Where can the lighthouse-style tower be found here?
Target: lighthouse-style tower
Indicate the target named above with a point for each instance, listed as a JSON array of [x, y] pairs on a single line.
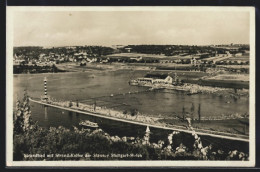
[[147, 136], [45, 89]]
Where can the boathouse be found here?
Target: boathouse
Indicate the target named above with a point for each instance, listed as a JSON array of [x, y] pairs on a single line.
[[160, 78]]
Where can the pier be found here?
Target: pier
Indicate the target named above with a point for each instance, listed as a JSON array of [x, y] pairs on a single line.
[[202, 132]]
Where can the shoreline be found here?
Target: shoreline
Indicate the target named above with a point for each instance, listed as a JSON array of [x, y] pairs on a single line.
[[198, 89], [204, 80]]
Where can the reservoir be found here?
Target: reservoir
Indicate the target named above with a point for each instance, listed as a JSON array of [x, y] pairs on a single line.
[[111, 89]]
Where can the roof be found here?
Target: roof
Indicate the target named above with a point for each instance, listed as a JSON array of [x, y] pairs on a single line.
[[156, 76]]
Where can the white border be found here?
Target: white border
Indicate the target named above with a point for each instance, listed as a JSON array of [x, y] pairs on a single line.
[[155, 163]]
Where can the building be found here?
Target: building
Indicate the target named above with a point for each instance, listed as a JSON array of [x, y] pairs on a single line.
[[238, 54], [83, 62], [161, 78], [193, 61], [128, 50], [19, 62], [118, 46]]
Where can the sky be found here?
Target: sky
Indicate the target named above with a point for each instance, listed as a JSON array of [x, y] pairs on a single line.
[[71, 28]]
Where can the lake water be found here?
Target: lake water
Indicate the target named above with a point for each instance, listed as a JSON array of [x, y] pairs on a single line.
[[98, 86]]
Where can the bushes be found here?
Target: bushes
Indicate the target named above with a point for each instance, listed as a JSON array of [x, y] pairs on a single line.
[[133, 112], [63, 141]]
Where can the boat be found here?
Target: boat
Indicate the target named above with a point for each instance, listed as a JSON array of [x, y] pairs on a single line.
[[87, 123], [133, 82]]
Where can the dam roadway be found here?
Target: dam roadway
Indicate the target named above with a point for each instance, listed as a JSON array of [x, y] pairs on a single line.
[[202, 132]]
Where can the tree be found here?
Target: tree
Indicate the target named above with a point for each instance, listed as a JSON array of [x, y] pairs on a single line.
[[22, 116]]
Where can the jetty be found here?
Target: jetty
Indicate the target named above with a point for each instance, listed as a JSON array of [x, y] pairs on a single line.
[[202, 132]]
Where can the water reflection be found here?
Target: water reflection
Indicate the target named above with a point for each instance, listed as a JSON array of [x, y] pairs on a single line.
[[70, 115], [45, 113], [77, 115]]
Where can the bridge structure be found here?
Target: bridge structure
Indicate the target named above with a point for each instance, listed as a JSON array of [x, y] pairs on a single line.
[[201, 132]]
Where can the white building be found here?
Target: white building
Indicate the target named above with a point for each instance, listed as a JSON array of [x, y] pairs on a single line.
[[157, 79]]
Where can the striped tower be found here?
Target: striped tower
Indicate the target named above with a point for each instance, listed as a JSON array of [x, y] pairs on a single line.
[[45, 89], [147, 135]]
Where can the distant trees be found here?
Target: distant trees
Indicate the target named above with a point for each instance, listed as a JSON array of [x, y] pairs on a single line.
[[171, 50], [99, 50], [35, 69], [204, 56], [131, 60], [31, 52], [34, 52]]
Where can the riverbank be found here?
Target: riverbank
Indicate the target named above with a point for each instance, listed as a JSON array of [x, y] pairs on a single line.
[[203, 79], [195, 89], [74, 67]]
